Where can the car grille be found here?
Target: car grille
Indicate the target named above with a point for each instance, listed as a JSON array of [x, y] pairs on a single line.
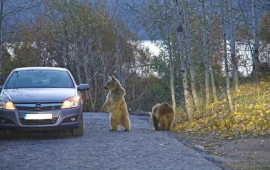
[[38, 106], [37, 122]]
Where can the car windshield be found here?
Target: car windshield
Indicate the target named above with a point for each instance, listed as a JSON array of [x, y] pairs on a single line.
[[39, 79]]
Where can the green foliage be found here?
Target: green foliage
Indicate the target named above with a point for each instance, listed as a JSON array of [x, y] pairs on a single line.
[[160, 65]]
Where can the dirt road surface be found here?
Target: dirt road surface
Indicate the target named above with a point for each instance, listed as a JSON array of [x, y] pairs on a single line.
[[141, 148]]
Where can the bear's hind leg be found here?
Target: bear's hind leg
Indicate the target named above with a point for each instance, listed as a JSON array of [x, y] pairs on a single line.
[[170, 123], [155, 121], [114, 124], [163, 123], [126, 123]]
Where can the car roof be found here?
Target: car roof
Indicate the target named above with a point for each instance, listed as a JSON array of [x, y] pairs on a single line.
[[41, 68]]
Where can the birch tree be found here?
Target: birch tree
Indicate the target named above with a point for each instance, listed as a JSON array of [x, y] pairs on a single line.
[[255, 49], [212, 75], [189, 53], [228, 90], [1, 37], [168, 31], [78, 63], [205, 56], [171, 68], [180, 38], [232, 46], [118, 63]]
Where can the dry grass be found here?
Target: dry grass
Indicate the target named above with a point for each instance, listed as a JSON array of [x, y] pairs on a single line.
[[250, 118]]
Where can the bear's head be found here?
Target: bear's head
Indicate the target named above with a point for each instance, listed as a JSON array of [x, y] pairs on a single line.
[[112, 84]]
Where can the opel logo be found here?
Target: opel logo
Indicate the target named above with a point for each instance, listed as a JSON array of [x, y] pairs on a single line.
[[38, 106]]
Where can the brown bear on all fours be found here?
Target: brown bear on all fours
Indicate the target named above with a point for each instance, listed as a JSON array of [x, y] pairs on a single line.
[[162, 116], [116, 105]]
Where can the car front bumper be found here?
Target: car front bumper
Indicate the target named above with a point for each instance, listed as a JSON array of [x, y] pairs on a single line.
[[61, 119]]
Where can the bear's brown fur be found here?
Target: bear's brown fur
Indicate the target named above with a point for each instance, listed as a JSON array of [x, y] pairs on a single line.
[[162, 116], [116, 105]]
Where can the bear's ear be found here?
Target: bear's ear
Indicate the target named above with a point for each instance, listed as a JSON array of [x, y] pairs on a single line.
[[113, 77], [110, 77]]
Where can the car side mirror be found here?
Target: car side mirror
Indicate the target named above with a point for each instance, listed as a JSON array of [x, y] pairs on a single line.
[[83, 87]]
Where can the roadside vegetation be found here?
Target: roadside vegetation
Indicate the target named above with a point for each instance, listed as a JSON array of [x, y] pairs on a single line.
[[250, 118]]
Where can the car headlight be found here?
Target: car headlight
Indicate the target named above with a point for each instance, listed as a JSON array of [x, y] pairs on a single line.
[[6, 104], [71, 103]]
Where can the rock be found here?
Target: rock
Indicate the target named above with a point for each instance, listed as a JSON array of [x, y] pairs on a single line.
[[200, 147]]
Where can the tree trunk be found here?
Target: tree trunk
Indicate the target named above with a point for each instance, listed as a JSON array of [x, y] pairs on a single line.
[[104, 66], [78, 72], [118, 70], [232, 46], [190, 57], [255, 51], [180, 38], [212, 74], [133, 97], [228, 91], [103, 61], [92, 75], [205, 56], [171, 69], [88, 93], [94, 101], [87, 50], [1, 40]]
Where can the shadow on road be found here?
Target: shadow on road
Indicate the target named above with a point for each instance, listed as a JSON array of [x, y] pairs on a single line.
[[36, 135]]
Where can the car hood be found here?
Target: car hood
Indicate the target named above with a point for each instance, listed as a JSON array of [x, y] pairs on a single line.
[[28, 95]]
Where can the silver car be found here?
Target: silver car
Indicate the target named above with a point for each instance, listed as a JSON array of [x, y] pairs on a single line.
[[41, 98]]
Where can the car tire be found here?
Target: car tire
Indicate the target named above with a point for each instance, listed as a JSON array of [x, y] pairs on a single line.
[[3, 134], [78, 131]]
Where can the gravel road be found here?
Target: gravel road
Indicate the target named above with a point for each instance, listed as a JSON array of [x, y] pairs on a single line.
[[141, 148]]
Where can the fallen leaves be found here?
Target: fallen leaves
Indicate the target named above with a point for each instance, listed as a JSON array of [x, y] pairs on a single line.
[[252, 117]]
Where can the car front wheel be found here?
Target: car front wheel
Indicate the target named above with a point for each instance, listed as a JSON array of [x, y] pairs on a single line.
[[78, 131]]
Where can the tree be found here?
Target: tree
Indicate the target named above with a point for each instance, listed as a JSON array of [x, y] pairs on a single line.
[[205, 55], [228, 90], [232, 45], [211, 56], [180, 37], [72, 34], [264, 30], [157, 20], [1, 37], [10, 8], [170, 62], [189, 53], [255, 49]]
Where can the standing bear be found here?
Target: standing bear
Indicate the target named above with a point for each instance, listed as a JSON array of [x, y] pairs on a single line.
[[162, 116], [116, 105]]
